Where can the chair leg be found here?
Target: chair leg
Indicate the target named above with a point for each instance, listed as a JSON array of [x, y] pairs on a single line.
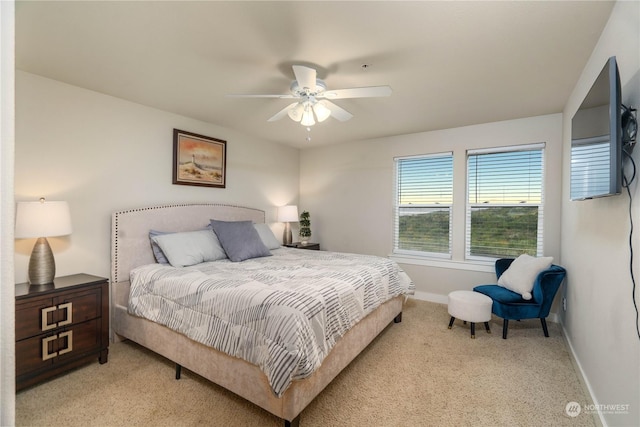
[[505, 327], [486, 325], [473, 330], [544, 326], [451, 322]]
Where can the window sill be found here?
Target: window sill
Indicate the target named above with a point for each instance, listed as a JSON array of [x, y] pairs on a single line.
[[484, 266]]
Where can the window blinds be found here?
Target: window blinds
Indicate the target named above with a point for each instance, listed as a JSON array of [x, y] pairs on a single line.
[[504, 202], [424, 196]]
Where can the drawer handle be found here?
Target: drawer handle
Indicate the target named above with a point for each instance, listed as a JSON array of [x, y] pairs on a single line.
[[45, 348], [45, 345], [68, 308], [69, 336], [46, 325]]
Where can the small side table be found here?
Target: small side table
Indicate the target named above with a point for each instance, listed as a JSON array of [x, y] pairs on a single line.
[[60, 326], [309, 246]]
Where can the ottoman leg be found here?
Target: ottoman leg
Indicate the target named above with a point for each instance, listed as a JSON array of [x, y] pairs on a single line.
[[451, 322], [486, 325], [473, 330]]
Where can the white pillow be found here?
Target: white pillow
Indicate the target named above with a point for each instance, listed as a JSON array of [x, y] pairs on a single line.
[[190, 247], [266, 235], [522, 273]]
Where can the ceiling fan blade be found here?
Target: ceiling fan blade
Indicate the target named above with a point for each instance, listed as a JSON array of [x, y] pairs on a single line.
[[358, 92], [280, 114], [305, 76], [285, 96], [338, 113]]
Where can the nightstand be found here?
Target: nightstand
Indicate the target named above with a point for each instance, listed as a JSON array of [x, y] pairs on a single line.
[[60, 326], [310, 246]]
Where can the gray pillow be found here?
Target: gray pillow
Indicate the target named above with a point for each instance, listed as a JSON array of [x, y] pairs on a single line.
[[266, 235], [189, 247], [239, 239], [157, 252]]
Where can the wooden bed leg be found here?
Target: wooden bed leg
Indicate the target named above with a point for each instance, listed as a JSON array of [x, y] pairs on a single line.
[[293, 423], [398, 318], [178, 371]]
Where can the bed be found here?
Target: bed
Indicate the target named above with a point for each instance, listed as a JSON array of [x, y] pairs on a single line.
[[135, 268]]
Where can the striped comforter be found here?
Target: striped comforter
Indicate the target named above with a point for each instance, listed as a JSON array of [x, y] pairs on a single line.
[[282, 313]]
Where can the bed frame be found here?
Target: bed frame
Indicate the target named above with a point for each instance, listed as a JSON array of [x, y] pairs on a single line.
[[130, 248]]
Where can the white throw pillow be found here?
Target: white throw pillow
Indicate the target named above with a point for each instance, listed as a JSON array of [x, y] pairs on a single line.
[[522, 273]]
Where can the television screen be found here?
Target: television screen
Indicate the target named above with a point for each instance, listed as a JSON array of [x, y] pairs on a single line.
[[595, 139]]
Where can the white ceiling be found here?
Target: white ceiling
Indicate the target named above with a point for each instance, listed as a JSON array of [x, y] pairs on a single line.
[[449, 64]]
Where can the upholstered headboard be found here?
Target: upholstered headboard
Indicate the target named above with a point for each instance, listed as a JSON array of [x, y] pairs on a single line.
[[130, 245]]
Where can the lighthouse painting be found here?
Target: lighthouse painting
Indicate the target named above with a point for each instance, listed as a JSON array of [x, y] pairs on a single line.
[[198, 160]]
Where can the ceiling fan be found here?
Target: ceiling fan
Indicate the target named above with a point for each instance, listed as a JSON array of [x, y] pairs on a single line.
[[313, 100]]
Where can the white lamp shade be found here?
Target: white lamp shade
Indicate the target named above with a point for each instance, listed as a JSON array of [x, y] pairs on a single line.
[[307, 117], [295, 113], [288, 213], [321, 110], [42, 219]]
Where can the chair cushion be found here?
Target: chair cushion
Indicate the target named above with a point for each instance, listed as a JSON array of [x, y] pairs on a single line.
[[500, 294], [522, 273], [508, 304]]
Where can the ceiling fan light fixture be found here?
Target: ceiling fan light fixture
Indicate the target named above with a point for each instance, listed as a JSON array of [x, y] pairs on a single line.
[[307, 117], [296, 112], [321, 110]]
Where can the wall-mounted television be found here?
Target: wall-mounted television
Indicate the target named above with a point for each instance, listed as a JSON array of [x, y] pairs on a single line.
[[596, 145]]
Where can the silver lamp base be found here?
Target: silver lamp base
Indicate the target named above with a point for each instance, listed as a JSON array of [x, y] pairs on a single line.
[[287, 238], [42, 266]]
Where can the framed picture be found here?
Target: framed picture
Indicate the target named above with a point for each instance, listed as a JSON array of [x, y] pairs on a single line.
[[199, 160]]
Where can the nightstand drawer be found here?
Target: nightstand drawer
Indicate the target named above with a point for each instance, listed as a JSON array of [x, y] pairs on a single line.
[[38, 315], [43, 350]]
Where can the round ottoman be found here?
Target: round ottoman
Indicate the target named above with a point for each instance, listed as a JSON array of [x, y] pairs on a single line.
[[470, 306]]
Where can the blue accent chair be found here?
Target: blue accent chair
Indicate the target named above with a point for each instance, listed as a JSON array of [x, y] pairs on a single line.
[[510, 305]]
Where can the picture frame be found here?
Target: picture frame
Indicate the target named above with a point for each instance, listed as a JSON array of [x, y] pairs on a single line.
[[199, 160]]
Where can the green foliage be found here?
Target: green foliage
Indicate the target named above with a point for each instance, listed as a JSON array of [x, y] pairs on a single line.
[[305, 225], [426, 232], [495, 232], [504, 231]]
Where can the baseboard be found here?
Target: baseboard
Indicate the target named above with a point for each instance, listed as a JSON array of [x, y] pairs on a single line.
[[430, 297], [582, 377]]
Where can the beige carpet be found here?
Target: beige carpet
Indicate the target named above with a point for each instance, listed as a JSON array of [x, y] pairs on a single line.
[[416, 373]]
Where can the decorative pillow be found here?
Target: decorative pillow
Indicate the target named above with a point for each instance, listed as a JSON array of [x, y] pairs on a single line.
[[157, 252], [189, 247], [239, 239], [267, 237], [522, 273]]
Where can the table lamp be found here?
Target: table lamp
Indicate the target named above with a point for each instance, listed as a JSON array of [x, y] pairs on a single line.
[[287, 214], [42, 219]]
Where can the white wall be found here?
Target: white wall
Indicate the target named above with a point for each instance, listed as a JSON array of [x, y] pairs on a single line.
[[349, 190], [103, 154], [7, 290], [600, 318]]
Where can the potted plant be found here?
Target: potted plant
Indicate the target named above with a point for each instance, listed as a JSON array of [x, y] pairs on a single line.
[[305, 228]]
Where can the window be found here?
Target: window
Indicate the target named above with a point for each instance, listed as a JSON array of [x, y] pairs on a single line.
[[505, 202], [424, 197]]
